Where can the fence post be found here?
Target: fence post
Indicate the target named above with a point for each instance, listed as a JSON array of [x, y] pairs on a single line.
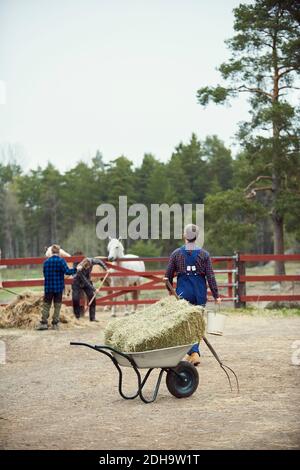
[[240, 288], [229, 277], [1, 267]]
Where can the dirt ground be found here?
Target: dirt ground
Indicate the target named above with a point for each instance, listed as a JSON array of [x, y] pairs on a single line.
[[54, 396]]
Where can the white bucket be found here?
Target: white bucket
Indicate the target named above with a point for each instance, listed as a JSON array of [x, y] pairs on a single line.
[[215, 323]]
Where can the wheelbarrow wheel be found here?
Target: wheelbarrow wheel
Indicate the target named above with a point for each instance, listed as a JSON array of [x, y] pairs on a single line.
[[182, 381]]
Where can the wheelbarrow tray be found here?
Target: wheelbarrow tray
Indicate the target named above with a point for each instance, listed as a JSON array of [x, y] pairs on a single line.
[[156, 358]]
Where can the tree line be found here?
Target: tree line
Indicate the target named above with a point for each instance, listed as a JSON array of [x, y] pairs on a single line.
[[45, 206]]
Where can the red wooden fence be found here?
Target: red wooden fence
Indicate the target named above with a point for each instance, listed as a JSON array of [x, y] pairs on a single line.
[[242, 279], [154, 279], [235, 269]]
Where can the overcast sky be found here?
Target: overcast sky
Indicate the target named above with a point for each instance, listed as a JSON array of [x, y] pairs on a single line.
[[120, 76]]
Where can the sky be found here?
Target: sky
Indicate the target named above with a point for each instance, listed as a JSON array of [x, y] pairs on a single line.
[[120, 76]]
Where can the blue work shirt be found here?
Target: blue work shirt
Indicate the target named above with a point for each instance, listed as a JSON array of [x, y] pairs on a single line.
[[54, 270]]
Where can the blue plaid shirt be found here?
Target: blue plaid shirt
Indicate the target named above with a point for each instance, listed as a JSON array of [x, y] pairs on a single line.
[[54, 270]]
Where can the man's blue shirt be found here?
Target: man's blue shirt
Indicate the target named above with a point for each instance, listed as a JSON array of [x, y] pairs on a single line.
[[54, 270]]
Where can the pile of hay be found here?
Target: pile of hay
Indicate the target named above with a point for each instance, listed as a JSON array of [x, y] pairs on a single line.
[[25, 312], [169, 322]]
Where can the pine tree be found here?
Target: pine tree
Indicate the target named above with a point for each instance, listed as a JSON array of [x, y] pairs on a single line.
[[265, 65]]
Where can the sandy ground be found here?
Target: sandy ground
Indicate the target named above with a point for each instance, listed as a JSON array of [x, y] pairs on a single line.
[[54, 396]]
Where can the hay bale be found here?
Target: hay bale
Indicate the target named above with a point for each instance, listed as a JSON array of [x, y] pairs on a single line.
[[167, 323], [25, 312]]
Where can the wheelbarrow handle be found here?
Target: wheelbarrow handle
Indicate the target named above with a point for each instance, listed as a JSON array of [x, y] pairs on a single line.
[[104, 349]]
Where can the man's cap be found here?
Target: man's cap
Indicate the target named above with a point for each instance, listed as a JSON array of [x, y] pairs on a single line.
[[191, 232]]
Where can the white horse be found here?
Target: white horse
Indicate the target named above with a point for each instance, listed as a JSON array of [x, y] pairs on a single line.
[[115, 252]]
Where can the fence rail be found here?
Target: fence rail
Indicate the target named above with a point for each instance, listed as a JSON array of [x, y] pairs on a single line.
[[154, 278], [235, 285], [243, 278]]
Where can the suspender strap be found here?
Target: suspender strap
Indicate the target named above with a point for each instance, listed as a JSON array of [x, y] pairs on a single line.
[[190, 258]]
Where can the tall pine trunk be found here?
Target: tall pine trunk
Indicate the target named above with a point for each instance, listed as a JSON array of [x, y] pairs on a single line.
[[277, 217], [278, 242]]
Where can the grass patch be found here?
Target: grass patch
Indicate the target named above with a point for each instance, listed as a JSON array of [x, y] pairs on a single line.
[[261, 312]]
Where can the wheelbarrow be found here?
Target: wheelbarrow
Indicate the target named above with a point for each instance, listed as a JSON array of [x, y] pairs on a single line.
[[182, 377]]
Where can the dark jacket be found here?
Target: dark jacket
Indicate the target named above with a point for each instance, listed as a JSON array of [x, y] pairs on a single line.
[[83, 278]]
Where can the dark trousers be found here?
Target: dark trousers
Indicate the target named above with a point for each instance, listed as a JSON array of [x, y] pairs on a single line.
[[76, 294], [56, 297]]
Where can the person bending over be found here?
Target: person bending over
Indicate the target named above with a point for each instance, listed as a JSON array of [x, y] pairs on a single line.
[[82, 282]]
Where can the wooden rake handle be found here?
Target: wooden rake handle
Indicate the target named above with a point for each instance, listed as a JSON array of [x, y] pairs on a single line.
[[96, 291]]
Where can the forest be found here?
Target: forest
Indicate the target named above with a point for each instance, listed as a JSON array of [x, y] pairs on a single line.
[[46, 206]]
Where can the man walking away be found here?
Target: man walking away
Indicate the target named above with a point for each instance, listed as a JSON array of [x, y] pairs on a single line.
[[54, 270], [194, 270]]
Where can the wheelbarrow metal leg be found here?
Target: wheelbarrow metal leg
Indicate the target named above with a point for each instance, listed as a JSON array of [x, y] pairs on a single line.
[[141, 382]]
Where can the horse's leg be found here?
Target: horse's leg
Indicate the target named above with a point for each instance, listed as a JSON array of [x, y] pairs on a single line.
[[126, 312], [113, 308], [126, 297], [107, 284], [135, 296]]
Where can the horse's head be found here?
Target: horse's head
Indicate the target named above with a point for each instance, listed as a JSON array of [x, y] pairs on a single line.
[[115, 249]]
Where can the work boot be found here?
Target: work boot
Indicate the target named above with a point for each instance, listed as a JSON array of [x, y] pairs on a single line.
[[195, 359], [45, 313], [187, 358], [42, 326], [94, 319], [55, 326]]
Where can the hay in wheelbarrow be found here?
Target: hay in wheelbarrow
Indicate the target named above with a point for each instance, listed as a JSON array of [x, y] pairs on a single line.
[[167, 323]]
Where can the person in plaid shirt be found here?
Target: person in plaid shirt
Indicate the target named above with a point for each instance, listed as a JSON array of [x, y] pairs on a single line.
[[193, 268], [54, 270]]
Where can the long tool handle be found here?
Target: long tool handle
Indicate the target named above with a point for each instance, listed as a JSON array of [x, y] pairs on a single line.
[[96, 291], [171, 288], [10, 291]]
